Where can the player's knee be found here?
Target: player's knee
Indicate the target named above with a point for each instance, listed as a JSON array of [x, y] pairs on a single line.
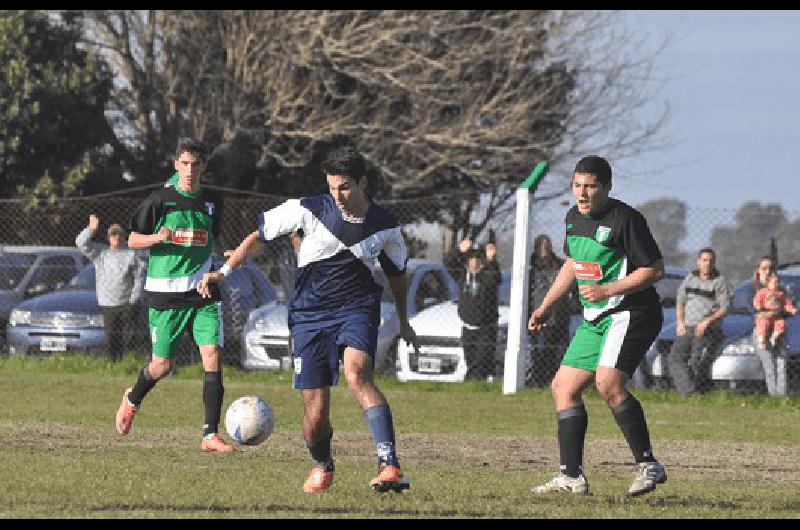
[[357, 380], [159, 368], [610, 391], [563, 391]]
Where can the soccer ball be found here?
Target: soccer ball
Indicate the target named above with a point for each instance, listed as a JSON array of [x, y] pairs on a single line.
[[249, 420]]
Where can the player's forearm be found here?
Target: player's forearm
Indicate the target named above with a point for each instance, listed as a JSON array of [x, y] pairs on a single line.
[[251, 246], [399, 287], [641, 278], [139, 241], [561, 285]]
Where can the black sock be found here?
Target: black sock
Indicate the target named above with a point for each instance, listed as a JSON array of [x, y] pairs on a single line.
[[631, 421], [144, 384], [321, 452], [212, 400], [572, 424]]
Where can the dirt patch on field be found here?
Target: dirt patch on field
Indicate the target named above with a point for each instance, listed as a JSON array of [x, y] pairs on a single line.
[[695, 460]]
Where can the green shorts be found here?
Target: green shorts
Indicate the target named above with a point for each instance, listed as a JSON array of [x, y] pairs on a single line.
[[167, 327], [619, 340]]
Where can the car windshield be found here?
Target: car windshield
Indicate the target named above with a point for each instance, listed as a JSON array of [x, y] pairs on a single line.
[[743, 295], [84, 279], [13, 268]]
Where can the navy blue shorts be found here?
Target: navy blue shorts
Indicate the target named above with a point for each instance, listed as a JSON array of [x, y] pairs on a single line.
[[317, 349]]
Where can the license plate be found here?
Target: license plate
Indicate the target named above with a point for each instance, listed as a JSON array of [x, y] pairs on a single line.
[[430, 365], [55, 344]]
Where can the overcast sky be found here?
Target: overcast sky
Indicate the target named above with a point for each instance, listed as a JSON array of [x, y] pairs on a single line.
[[733, 81]]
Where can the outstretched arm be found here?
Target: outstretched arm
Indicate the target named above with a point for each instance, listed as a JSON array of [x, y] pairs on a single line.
[[251, 246]]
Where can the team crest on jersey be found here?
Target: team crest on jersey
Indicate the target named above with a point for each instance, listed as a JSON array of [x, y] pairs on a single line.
[[602, 233], [210, 208]]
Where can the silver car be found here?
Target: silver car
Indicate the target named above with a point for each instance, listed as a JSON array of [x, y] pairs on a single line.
[[266, 338], [26, 271]]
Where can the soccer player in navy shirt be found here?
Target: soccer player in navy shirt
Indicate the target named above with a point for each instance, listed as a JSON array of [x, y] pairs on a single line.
[[334, 311]]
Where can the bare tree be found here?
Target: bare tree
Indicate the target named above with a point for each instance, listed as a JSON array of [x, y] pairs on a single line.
[[461, 103]]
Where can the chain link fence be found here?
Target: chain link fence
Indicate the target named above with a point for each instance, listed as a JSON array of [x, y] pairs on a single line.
[[450, 350]]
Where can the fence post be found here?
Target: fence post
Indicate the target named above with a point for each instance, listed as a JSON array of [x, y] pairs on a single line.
[[514, 365]]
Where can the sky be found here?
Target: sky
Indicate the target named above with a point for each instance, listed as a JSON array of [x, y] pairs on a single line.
[[732, 79]]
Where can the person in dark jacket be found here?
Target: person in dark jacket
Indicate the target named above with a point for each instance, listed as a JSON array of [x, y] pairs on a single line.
[[547, 347], [477, 306]]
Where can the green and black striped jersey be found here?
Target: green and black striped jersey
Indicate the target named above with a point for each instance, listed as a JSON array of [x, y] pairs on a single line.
[[608, 247], [176, 267]]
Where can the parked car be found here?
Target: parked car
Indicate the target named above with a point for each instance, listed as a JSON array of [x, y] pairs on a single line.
[[438, 328], [441, 356], [266, 340], [30, 270], [69, 319], [737, 365]]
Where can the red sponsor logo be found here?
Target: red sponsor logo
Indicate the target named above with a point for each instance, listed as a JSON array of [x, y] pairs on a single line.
[[588, 270], [189, 237]]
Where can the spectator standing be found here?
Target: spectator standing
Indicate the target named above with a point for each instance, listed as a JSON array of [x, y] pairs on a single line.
[[119, 278], [548, 346], [477, 305], [704, 298], [764, 268], [772, 304]]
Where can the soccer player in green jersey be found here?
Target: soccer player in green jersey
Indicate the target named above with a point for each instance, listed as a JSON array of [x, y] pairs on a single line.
[[615, 260], [178, 224]]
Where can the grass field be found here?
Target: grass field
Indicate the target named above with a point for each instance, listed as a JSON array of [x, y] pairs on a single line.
[[469, 451]]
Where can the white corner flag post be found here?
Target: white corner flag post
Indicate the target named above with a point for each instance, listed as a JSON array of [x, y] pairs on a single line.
[[514, 367]]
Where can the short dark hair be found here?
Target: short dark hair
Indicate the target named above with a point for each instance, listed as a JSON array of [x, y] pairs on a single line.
[[192, 146], [346, 161], [707, 250], [595, 165]]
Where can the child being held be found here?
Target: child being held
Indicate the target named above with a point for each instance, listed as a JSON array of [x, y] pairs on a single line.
[[771, 304]]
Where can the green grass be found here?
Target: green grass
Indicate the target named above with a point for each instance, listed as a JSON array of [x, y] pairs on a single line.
[[469, 450]]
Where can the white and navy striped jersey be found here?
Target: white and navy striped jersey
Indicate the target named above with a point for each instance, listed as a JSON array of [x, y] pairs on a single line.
[[336, 256]]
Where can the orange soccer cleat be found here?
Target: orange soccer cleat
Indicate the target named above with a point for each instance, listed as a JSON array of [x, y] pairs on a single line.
[[318, 480], [214, 443], [389, 479], [125, 414]]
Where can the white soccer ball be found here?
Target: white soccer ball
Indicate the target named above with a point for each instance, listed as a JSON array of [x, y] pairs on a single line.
[[249, 420]]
